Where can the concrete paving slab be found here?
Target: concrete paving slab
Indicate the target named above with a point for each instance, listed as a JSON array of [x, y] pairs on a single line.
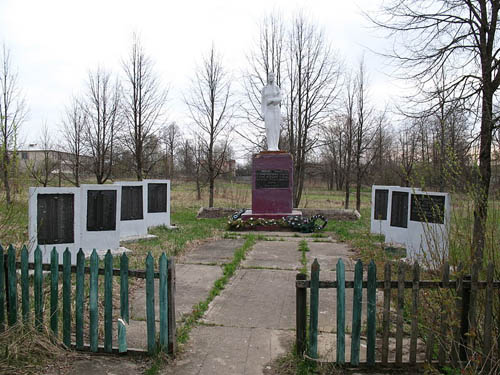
[[231, 350], [213, 252], [102, 365], [256, 298], [283, 255], [193, 283], [328, 255]]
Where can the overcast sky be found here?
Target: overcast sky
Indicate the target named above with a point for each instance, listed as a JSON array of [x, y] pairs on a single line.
[[54, 43]]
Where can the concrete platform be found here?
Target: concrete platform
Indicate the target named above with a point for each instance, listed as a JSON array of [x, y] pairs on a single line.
[[210, 253], [281, 255], [231, 350]]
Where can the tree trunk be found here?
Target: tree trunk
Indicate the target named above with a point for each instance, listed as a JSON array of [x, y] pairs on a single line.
[[483, 183], [6, 178], [212, 188]]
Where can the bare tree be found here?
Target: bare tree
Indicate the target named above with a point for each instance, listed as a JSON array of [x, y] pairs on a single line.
[[42, 170], [144, 108], [13, 112], [73, 131], [211, 108], [312, 86], [101, 107], [172, 139], [349, 101], [461, 37]]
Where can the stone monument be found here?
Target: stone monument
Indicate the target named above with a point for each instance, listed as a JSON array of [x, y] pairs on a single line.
[[272, 170]]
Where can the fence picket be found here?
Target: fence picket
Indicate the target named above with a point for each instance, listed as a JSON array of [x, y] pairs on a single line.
[[2, 290], [473, 328], [314, 306], [400, 308], [80, 281], [340, 312], [54, 291], [300, 315], [429, 350], [386, 317], [122, 336], [124, 287], [38, 282], [94, 312], [11, 263], [25, 286], [371, 313], [67, 297], [414, 314], [108, 302], [356, 313], [172, 331], [443, 351], [488, 320], [150, 303], [163, 302]]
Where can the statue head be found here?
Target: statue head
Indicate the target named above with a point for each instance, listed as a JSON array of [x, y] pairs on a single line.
[[270, 78]]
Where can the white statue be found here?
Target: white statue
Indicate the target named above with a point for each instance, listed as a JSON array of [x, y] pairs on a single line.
[[271, 111]]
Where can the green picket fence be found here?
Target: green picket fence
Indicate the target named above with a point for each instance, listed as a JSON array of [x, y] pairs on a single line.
[[440, 349], [9, 298]]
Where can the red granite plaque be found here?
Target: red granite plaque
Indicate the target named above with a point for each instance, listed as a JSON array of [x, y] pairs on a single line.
[[272, 186]]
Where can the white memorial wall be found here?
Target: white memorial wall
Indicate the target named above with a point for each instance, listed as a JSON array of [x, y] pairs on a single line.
[[418, 220]]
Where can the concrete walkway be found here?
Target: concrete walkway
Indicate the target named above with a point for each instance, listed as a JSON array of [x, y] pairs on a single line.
[[252, 322]]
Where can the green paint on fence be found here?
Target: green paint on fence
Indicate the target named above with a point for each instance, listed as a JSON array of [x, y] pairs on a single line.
[[340, 312], [108, 302], [314, 306], [94, 312], [54, 292], [150, 303], [371, 313], [124, 287], [80, 280], [11, 263], [2, 290], [163, 303], [356, 313], [38, 289], [25, 286], [122, 336], [67, 297]]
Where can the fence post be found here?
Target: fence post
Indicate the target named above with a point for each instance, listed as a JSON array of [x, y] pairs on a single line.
[[387, 311], [442, 339], [2, 290], [400, 308], [340, 312], [172, 333], [163, 294], [300, 315], [488, 320], [80, 280], [94, 309], [356, 313], [54, 291], [314, 306], [108, 302], [371, 313], [38, 289], [464, 319], [414, 314], [124, 311], [25, 285], [12, 286], [67, 298], [150, 303]]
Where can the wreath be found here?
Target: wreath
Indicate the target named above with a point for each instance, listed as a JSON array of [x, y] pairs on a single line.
[[298, 223]]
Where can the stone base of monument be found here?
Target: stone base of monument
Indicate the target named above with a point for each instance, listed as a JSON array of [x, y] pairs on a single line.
[[269, 216], [272, 186]]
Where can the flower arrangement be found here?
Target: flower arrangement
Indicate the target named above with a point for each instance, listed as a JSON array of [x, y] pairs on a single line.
[[297, 223]]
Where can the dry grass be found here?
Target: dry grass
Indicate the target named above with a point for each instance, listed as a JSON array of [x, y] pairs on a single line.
[[26, 350]]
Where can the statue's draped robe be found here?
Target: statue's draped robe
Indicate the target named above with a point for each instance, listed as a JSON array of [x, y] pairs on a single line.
[[271, 111]]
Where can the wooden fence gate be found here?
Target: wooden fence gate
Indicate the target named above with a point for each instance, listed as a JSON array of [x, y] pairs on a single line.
[[74, 294], [461, 348]]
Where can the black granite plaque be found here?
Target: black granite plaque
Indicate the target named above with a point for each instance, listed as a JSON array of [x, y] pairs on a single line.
[[157, 197], [427, 208], [101, 210], [55, 218], [271, 179], [399, 209], [381, 198], [131, 207]]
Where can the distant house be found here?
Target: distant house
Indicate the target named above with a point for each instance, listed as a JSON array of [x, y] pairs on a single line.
[[229, 167], [33, 157]]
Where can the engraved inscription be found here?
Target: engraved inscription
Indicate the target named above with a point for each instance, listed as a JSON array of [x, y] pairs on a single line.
[[271, 179], [427, 208]]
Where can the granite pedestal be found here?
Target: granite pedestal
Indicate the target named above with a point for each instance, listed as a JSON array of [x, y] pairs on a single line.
[[272, 186]]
